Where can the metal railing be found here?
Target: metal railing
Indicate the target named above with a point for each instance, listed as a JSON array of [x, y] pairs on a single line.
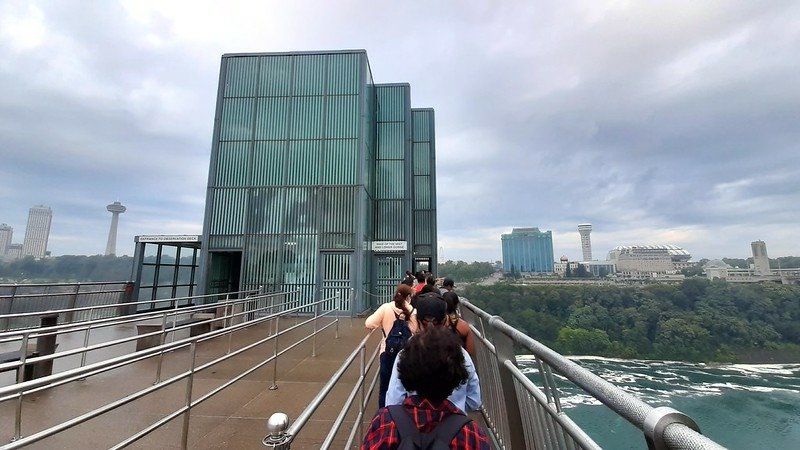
[[281, 434], [20, 298], [524, 415], [255, 311]]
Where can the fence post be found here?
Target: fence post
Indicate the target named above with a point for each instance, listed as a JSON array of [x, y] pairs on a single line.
[[314, 339], [504, 347], [275, 356], [72, 301], [189, 386]]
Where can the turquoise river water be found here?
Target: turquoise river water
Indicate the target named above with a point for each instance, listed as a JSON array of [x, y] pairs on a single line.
[[740, 406]]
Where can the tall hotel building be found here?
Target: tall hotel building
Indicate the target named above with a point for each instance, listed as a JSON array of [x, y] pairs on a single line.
[[37, 232], [527, 250], [321, 181], [6, 233]]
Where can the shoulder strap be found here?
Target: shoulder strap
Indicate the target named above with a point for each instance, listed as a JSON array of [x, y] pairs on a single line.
[[449, 427], [405, 425]]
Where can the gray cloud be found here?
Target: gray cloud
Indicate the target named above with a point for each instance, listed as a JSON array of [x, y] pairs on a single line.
[[656, 122]]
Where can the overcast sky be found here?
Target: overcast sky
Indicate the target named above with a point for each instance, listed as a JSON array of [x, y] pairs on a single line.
[[660, 122]]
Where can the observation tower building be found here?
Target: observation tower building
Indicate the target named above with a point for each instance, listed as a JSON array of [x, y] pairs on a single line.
[[115, 209], [585, 229]]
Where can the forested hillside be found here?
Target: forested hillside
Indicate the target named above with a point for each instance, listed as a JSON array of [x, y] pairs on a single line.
[[697, 320], [66, 269]]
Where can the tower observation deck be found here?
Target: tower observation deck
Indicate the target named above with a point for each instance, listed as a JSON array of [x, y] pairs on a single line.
[[115, 209]]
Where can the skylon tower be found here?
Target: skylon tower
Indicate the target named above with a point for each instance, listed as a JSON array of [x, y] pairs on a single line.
[[115, 209]]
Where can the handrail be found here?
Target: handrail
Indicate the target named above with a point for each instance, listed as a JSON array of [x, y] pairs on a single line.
[[17, 390], [282, 438], [107, 322], [662, 428]]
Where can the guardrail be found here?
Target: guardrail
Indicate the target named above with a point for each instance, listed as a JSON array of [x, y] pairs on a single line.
[[523, 415], [21, 298], [253, 317]]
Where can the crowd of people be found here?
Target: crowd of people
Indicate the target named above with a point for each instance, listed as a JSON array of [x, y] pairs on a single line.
[[428, 381]]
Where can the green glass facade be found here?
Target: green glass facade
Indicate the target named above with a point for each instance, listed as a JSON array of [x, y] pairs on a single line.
[[527, 250], [313, 167]]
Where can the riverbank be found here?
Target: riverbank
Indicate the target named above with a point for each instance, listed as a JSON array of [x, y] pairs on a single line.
[[789, 354]]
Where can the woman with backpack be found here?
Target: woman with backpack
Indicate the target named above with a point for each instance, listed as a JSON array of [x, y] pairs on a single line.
[[458, 325], [395, 320]]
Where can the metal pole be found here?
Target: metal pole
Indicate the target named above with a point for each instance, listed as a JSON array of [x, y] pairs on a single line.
[[275, 357], [228, 312], [189, 383], [314, 338], [86, 337], [338, 310], [20, 379], [363, 372], [161, 353]]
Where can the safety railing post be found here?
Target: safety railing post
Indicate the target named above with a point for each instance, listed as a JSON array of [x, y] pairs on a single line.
[[229, 313], [10, 302], [504, 346], [86, 337], [338, 310], [189, 385], [314, 338], [363, 372], [73, 299], [20, 379], [161, 342], [275, 356]]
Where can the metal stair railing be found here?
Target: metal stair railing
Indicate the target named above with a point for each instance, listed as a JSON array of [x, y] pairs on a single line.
[[19, 390], [523, 415]]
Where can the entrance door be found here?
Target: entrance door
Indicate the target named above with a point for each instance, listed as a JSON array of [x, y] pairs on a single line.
[[335, 280], [223, 275]]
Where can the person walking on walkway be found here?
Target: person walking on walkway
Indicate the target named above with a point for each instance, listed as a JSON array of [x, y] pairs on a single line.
[[432, 312], [457, 325], [432, 366], [399, 308]]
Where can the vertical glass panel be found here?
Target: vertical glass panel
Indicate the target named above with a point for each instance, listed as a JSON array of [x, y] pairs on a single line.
[[307, 115], [162, 293], [422, 192], [237, 119], [336, 206], [168, 254], [145, 294], [391, 140], [185, 275], [228, 211], [300, 211], [264, 264], [182, 291], [233, 160], [240, 77], [423, 225], [389, 180], [272, 118], [148, 275], [390, 221], [341, 162], [303, 163], [422, 121], [391, 103], [166, 275], [268, 163], [275, 78], [150, 253], [309, 75], [343, 73], [342, 117], [422, 159], [266, 211]]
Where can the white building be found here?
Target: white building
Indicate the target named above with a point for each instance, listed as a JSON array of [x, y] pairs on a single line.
[[37, 232], [648, 261], [6, 233]]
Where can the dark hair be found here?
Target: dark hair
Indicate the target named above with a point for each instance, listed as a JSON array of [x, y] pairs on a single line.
[[428, 288], [420, 276], [430, 279], [400, 294], [451, 298], [432, 364]]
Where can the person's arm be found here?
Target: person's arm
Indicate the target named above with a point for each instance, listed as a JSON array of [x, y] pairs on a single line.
[[395, 394], [469, 342], [474, 401], [375, 319]]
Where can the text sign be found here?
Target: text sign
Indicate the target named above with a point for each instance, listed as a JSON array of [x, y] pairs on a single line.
[[168, 238], [389, 246]]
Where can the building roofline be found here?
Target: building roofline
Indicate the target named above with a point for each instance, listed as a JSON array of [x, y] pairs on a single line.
[[423, 109], [399, 83], [289, 53]]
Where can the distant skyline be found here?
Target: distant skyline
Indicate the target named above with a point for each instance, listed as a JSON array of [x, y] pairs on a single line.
[[657, 122]]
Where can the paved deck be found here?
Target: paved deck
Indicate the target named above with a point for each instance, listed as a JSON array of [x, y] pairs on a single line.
[[234, 418]]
